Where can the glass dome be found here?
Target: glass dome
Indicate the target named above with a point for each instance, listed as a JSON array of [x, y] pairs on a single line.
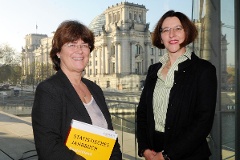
[[96, 25]]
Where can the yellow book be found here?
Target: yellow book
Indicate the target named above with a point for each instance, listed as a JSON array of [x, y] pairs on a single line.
[[91, 142]]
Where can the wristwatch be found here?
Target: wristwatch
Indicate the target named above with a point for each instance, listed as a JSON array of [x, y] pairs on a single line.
[[165, 156]]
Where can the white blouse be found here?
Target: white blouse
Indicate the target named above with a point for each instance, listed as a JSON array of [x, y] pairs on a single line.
[[96, 114]]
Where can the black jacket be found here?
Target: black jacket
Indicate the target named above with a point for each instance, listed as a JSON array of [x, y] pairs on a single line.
[[56, 103], [190, 112]]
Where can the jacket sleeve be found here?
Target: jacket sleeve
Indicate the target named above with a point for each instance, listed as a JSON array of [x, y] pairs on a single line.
[[46, 123], [142, 118], [116, 153]]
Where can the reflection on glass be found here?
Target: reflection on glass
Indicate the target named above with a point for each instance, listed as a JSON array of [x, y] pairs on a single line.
[[223, 57]]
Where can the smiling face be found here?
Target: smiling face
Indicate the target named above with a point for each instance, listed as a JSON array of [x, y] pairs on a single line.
[[74, 56], [173, 35]]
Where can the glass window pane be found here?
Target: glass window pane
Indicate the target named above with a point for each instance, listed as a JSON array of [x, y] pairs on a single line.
[[228, 76], [218, 47]]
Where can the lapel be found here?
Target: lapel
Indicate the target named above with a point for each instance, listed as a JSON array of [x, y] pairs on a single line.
[[151, 83], [153, 70], [72, 97], [188, 62], [153, 77]]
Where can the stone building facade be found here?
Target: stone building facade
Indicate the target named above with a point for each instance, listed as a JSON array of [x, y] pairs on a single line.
[[36, 62], [122, 54], [123, 50]]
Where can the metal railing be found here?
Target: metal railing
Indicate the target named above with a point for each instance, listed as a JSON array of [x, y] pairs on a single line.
[[122, 124], [124, 121], [125, 126]]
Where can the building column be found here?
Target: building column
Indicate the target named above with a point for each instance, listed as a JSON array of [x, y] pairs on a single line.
[[132, 56], [211, 52], [104, 59], [146, 55], [116, 57], [93, 63], [119, 58], [99, 61]]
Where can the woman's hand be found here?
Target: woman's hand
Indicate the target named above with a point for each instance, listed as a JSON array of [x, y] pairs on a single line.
[[152, 155], [158, 156], [149, 154]]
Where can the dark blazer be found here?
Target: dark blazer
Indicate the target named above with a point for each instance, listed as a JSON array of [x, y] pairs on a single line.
[[56, 103], [190, 110]]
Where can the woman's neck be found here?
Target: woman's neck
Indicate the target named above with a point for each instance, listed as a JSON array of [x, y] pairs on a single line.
[[174, 56], [74, 77]]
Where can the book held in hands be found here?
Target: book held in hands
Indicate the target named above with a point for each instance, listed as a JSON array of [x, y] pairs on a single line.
[[91, 142]]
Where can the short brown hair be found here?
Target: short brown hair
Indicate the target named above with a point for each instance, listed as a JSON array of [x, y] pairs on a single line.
[[188, 26], [69, 31]]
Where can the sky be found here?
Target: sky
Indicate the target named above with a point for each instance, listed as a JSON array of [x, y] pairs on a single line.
[[19, 18], [227, 19]]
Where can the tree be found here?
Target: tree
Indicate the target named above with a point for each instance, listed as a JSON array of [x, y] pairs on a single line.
[[16, 74], [231, 75], [10, 70], [5, 73], [9, 55]]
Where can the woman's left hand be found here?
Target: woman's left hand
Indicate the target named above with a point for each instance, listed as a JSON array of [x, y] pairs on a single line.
[[158, 156]]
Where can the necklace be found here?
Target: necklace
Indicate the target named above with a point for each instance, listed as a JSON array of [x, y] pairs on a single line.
[[78, 88]]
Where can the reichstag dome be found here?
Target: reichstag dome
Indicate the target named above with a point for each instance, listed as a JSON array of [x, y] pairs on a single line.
[[97, 23]]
